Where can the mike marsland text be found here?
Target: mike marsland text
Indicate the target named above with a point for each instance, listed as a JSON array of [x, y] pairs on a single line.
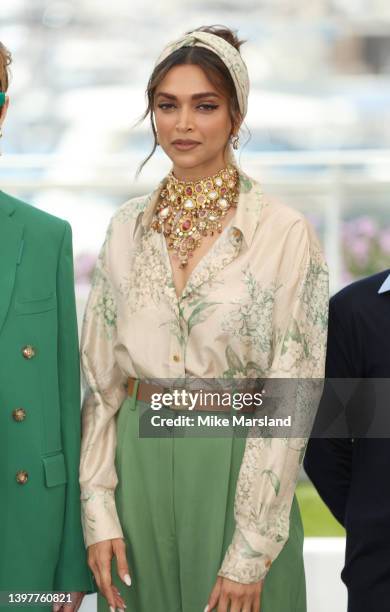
[[182, 420]]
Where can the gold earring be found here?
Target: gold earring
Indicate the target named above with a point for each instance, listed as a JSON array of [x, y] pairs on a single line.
[[235, 142]]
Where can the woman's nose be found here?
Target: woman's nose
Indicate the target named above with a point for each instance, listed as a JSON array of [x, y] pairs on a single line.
[[184, 121]]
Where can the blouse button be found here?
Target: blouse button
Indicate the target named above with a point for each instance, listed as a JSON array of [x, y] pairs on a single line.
[[176, 358]]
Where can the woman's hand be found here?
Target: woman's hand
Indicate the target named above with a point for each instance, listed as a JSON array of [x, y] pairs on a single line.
[[240, 597], [99, 560]]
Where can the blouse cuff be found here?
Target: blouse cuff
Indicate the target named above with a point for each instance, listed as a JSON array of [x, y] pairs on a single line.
[[249, 562], [99, 516]]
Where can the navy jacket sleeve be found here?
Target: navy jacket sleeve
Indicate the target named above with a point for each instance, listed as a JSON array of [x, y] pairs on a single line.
[[328, 460]]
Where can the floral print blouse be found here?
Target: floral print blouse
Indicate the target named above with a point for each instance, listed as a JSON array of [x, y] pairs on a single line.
[[256, 305]]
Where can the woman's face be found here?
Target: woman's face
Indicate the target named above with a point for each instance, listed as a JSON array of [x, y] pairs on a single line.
[[188, 107]]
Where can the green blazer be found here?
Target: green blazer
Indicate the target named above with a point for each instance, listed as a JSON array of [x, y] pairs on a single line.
[[41, 542]]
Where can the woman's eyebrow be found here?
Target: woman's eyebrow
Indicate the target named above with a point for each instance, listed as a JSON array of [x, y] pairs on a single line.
[[197, 96]]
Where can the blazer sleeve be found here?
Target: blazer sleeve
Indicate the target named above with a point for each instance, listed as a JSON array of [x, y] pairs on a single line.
[[328, 461], [105, 392], [270, 465], [72, 572]]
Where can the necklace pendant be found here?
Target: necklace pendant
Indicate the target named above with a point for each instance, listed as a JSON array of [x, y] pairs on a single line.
[[191, 210]]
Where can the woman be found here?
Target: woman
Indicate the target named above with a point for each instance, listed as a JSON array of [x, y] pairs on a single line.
[[206, 522], [42, 546]]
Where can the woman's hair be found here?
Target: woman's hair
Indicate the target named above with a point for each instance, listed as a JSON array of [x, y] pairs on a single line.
[[5, 60], [214, 68]]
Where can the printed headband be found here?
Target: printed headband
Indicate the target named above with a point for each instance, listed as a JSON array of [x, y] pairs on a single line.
[[227, 53]]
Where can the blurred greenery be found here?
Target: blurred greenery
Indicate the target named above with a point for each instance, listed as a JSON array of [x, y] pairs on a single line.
[[317, 519]]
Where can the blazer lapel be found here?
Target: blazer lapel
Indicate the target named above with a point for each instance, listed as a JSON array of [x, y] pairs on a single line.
[[11, 233]]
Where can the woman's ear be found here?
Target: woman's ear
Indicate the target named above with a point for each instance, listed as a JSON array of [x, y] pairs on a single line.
[[3, 110]]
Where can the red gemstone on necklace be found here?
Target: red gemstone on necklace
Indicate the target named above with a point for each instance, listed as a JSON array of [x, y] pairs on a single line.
[[186, 225], [223, 190], [189, 191]]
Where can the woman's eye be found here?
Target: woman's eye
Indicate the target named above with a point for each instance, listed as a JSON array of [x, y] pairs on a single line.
[[208, 107]]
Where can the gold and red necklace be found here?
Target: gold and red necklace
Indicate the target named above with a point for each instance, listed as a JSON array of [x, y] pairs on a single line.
[[189, 210]]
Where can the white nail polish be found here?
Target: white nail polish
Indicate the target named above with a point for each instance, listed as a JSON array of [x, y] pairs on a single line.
[[206, 608], [112, 609], [127, 579]]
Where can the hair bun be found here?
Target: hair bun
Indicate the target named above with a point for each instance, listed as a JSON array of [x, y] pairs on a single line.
[[223, 32]]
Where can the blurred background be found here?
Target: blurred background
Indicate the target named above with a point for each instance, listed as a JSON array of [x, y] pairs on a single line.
[[317, 135]]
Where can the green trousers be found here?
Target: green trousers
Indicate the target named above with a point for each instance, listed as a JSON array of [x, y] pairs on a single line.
[[175, 501]]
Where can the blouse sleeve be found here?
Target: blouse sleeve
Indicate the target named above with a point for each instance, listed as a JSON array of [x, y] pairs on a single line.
[[270, 466], [105, 391]]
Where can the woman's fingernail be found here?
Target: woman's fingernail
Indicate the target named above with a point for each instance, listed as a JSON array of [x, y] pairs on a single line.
[[112, 609], [127, 579], [206, 608], [56, 607]]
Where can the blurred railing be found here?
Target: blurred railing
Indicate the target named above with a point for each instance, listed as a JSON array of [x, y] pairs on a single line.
[[330, 185]]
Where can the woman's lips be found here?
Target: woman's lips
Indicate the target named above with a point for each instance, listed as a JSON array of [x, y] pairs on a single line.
[[184, 146]]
